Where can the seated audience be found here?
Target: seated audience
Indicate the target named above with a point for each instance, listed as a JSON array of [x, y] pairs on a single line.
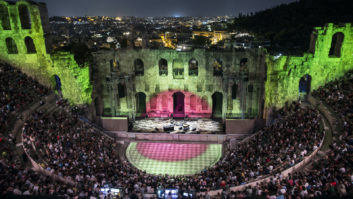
[[67, 147]]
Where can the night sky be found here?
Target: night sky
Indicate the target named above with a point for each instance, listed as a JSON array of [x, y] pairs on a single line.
[[145, 8]]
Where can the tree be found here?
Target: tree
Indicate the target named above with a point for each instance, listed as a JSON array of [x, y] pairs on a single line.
[[288, 26], [81, 53], [123, 43], [201, 41]]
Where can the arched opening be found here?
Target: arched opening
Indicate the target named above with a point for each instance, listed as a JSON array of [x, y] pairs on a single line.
[[11, 46], [121, 90], [31, 49], [97, 107], [139, 67], [217, 102], [234, 91], [305, 84], [58, 84], [116, 65], [218, 67], [163, 67], [140, 104], [204, 103], [250, 88], [4, 18], [111, 62], [336, 44], [178, 103], [178, 69], [243, 65], [313, 42], [25, 17], [193, 102], [193, 67], [165, 101]]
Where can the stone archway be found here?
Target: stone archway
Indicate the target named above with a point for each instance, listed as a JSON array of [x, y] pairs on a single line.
[[179, 104], [58, 84], [305, 84], [31, 48], [163, 67], [336, 44], [139, 67], [140, 104], [217, 103], [5, 18], [11, 46], [193, 67], [25, 17]]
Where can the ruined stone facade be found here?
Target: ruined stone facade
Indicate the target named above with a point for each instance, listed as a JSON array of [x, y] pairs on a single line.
[[329, 57], [219, 84], [24, 28], [164, 83]]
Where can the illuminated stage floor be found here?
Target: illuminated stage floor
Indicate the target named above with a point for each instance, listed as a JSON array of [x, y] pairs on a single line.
[[194, 126], [173, 159]]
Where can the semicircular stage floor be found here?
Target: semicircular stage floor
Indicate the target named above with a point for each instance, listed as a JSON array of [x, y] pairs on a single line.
[[173, 158]]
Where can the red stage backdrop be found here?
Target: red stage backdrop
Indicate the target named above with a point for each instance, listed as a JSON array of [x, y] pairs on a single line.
[[179, 103]]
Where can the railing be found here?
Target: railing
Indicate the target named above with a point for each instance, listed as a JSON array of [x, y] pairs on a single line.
[[38, 168], [35, 166], [175, 137]]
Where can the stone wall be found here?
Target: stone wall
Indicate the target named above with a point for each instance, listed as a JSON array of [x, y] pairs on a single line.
[[23, 45], [322, 66], [112, 68], [76, 85]]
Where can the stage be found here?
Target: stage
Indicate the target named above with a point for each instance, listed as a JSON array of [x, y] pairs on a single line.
[[173, 159], [172, 126]]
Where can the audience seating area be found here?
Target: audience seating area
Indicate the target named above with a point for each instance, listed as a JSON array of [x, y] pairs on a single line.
[[17, 93], [65, 146]]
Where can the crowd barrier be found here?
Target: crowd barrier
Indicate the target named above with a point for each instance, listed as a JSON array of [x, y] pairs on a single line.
[[36, 167], [214, 138]]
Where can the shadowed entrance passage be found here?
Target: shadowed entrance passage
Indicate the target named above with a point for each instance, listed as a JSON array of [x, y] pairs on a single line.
[[173, 158], [179, 106], [140, 104], [217, 99], [305, 84]]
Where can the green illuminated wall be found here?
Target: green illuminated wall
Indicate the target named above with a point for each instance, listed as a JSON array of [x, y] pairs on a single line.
[[204, 85], [41, 65], [284, 73], [282, 84], [75, 79]]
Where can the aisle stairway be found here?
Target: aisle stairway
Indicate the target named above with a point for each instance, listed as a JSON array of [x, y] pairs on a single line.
[[331, 128], [49, 102]]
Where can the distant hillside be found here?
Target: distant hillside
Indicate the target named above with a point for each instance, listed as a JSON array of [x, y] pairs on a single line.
[[289, 26]]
